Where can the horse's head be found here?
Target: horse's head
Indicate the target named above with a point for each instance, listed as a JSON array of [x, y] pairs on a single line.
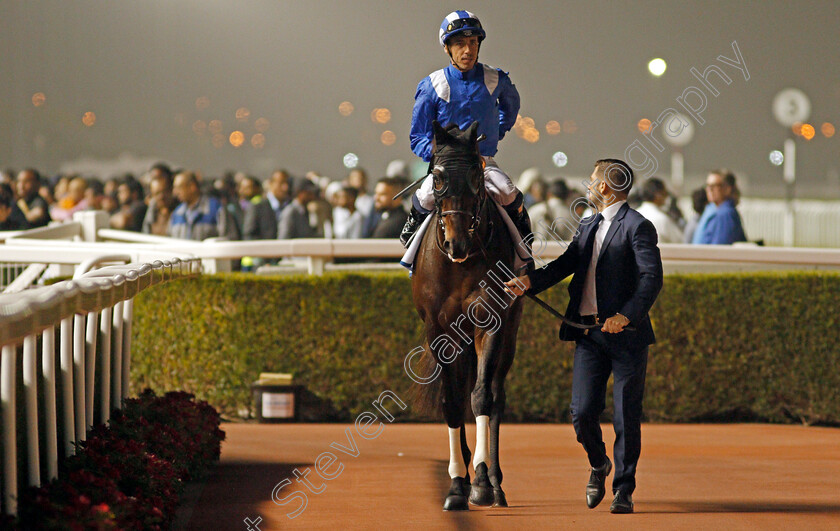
[[458, 172]]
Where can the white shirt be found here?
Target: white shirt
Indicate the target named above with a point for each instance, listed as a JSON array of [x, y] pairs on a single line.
[[589, 301], [666, 229], [347, 225]]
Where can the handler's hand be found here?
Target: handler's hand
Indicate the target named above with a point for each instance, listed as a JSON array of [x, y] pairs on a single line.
[[615, 324], [514, 285]]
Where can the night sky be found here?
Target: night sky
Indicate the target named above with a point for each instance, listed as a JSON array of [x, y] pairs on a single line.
[[163, 78]]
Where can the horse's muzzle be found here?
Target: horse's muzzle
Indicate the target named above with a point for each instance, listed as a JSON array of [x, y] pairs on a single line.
[[456, 249]]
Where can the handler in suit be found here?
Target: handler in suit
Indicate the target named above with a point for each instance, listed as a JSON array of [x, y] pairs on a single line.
[[617, 276]]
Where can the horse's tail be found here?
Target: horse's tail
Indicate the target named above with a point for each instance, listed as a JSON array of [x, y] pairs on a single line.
[[428, 397]]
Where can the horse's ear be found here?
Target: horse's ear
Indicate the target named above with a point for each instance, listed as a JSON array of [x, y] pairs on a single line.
[[472, 132], [440, 133]]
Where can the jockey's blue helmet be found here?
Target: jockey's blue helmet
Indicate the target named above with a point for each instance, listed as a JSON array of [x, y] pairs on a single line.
[[463, 23]]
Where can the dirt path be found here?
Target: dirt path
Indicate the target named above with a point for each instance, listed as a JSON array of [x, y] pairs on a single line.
[[714, 477]]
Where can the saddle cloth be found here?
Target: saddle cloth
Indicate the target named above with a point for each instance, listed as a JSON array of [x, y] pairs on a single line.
[[523, 255]]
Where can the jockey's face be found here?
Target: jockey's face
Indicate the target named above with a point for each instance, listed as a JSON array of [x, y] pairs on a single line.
[[463, 51]]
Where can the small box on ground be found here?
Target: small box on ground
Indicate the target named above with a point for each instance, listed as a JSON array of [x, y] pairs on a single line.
[[276, 398]]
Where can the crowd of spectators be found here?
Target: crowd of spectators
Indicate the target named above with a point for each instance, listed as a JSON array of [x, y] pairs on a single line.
[[237, 206], [556, 208]]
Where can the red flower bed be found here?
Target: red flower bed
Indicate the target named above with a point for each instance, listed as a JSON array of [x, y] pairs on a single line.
[[129, 474]]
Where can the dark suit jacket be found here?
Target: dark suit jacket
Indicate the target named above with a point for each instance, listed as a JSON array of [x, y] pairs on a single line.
[[260, 222], [390, 224], [628, 276]]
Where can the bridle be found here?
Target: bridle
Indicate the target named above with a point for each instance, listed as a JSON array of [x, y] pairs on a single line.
[[441, 189]]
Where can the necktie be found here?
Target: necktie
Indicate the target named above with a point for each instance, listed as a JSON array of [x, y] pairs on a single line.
[[589, 301]]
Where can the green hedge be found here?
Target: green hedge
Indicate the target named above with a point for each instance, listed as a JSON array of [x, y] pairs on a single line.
[[735, 346]]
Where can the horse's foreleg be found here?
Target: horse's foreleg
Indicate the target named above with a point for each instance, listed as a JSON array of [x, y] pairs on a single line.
[[453, 412], [498, 410], [481, 492], [495, 472]]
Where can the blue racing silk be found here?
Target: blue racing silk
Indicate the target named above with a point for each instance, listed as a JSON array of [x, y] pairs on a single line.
[[484, 94]]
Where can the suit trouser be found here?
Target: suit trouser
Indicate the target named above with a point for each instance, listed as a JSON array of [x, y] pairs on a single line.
[[595, 358]]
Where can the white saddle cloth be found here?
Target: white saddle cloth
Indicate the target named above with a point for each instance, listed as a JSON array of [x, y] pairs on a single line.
[[523, 255]]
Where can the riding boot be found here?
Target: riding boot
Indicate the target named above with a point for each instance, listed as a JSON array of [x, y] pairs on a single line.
[[415, 219], [519, 215]]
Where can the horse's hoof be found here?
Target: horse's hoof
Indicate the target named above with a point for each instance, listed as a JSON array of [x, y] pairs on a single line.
[[481, 496], [499, 499], [456, 503]]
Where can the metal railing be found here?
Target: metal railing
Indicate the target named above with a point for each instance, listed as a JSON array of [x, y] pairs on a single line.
[[92, 317]]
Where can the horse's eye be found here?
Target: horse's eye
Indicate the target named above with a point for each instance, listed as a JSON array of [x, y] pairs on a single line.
[[438, 181]]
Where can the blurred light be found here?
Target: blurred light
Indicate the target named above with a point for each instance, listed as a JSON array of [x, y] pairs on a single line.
[[345, 108], [643, 125], [38, 99], [776, 157], [215, 127], [531, 135], [570, 126], [258, 141], [199, 127], [797, 129], [382, 116], [351, 160], [237, 138], [560, 159], [527, 122], [388, 138], [262, 125], [242, 114], [202, 103], [89, 118], [218, 140], [657, 67], [827, 130], [808, 131], [553, 127]]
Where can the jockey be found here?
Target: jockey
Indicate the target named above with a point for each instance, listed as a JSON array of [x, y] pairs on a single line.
[[464, 92]]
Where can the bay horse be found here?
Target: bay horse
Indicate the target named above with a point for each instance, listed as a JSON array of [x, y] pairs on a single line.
[[470, 321]]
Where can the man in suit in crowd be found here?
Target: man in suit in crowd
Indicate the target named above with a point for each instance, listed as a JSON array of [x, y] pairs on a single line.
[[617, 276], [389, 215], [294, 218], [261, 218]]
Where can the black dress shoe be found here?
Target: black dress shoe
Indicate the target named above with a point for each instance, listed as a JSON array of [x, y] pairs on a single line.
[[622, 503], [595, 488]]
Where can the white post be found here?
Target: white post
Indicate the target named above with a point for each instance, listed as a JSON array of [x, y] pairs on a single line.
[[789, 173], [91, 221], [316, 265], [79, 375], [90, 366], [116, 355], [128, 313], [30, 388], [677, 171], [50, 421], [105, 356], [68, 418], [7, 400]]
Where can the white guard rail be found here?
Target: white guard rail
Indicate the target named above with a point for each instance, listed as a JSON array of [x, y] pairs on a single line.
[[318, 252], [93, 315]]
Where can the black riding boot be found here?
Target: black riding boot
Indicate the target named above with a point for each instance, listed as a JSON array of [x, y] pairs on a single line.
[[415, 219], [519, 215]]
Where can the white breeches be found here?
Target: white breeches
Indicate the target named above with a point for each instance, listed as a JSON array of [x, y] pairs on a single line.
[[497, 183]]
